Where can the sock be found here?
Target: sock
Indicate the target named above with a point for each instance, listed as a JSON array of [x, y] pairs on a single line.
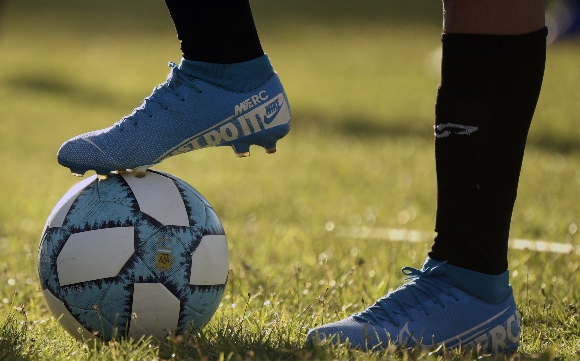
[[493, 289], [239, 77], [489, 88], [215, 31]]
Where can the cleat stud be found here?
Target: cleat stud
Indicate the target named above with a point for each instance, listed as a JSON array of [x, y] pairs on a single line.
[[241, 149], [77, 174], [102, 176], [271, 150], [139, 172]]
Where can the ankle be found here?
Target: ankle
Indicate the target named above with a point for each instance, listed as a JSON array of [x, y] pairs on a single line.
[[493, 289], [238, 77]]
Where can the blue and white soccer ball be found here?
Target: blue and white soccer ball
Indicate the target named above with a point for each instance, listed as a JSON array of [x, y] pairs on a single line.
[[130, 256]]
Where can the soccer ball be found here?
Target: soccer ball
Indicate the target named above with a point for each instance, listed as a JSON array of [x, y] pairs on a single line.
[[133, 256]]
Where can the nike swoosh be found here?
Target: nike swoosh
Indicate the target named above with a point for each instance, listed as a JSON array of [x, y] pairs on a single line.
[[93, 144], [269, 118]]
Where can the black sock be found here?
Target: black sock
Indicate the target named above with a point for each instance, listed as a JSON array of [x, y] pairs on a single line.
[[489, 88], [216, 31]]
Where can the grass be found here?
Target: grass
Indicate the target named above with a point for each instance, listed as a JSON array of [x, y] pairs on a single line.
[[362, 84]]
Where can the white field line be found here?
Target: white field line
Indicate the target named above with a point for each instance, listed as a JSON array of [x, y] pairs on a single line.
[[414, 236]]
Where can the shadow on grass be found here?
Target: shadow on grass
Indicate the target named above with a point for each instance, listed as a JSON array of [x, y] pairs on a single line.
[[54, 86]]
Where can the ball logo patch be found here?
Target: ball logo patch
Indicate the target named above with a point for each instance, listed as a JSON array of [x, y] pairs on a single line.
[[164, 259]]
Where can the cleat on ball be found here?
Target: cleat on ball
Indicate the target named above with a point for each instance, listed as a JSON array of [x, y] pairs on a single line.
[[181, 115]]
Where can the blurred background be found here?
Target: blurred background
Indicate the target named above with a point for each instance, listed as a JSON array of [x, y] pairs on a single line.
[[361, 77]]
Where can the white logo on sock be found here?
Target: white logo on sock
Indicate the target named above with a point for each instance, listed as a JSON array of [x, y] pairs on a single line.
[[447, 129]]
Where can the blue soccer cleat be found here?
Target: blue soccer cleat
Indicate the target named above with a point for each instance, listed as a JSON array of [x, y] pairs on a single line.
[[181, 115], [428, 312]]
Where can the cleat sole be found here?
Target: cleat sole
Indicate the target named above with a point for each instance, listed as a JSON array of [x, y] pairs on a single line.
[[77, 174], [271, 150], [243, 155]]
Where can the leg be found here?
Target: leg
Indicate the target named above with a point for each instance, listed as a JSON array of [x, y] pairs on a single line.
[[491, 78], [492, 69], [223, 93]]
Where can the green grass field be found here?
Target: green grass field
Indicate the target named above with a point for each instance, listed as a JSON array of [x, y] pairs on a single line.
[[361, 78]]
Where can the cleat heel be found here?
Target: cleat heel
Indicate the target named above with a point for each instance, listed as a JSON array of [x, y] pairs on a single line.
[[269, 142]]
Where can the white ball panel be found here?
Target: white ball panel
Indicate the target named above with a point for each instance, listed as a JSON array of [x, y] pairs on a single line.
[[61, 209], [155, 311], [95, 254], [70, 324], [159, 197], [210, 261]]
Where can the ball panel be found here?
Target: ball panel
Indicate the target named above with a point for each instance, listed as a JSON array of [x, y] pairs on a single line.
[[115, 306], [158, 197], [61, 209], [210, 261], [199, 303], [94, 322], [166, 255], [97, 214], [75, 219], [91, 255], [85, 295], [155, 311], [70, 324], [100, 305], [212, 223], [115, 190], [194, 202], [53, 239]]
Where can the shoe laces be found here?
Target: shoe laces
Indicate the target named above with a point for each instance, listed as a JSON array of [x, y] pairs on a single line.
[[175, 79], [423, 285]]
